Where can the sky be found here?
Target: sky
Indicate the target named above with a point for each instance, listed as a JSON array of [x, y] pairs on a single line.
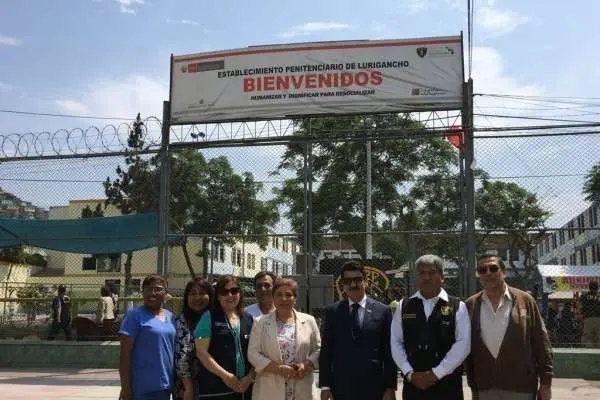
[[110, 58]]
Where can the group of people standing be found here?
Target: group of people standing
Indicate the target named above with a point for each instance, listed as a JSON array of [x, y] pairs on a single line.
[[218, 350]]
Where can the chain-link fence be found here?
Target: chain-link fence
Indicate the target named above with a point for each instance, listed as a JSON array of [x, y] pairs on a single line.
[[384, 190]]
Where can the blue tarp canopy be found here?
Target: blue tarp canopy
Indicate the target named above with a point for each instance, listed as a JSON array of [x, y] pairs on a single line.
[[103, 235]]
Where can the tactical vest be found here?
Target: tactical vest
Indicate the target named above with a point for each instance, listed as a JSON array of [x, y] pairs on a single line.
[[590, 305], [222, 349], [427, 341]]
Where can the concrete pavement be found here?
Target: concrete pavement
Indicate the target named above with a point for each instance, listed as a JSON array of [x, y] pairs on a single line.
[[103, 384]]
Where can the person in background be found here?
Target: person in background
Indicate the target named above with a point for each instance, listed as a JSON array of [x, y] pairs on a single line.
[[589, 304], [106, 307], [551, 321], [263, 284], [356, 362], [114, 294], [61, 314], [431, 337], [222, 337], [197, 296], [147, 337], [284, 349], [511, 354]]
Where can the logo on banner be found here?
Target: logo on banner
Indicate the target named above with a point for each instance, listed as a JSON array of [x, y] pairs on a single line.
[[421, 51]]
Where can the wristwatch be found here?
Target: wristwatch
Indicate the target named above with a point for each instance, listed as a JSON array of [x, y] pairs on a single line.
[[409, 376]]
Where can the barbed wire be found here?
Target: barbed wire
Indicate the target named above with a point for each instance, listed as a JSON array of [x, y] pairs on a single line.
[[111, 139]]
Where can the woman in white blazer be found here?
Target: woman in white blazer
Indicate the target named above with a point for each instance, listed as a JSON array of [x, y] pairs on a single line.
[[284, 349]]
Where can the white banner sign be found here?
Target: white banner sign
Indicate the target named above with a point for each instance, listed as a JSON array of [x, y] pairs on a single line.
[[271, 82]]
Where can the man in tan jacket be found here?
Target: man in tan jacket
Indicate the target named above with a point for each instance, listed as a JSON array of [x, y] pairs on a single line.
[[510, 350]]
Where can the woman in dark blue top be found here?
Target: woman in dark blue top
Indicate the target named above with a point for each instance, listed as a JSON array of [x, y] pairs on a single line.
[[222, 337]]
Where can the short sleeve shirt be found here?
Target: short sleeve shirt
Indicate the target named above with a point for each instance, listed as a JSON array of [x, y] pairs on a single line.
[[153, 356]]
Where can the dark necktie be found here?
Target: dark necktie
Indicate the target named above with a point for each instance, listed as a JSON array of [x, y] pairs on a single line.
[[356, 331]]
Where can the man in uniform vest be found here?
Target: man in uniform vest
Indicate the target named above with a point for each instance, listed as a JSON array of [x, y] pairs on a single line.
[[590, 311], [431, 337]]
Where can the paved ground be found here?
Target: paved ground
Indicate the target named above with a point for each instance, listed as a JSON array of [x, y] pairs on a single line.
[[97, 384]]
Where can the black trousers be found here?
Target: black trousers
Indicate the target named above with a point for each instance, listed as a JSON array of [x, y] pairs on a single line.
[[58, 326], [448, 388]]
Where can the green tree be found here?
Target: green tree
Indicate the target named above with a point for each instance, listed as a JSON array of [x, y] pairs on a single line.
[[591, 184], [33, 300], [339, 171], [512, 209], [206, 196], [415, 188]]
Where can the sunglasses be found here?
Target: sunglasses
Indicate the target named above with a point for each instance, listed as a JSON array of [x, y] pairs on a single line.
[[233, 291], [348, 281], [484, 270]]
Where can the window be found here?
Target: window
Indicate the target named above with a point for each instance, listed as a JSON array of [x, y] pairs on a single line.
[[233, 256], [286, 245], [547, 244], [116, 283], [563, 261], [573, 259], [571, 230], [221, 253], [553, 240], [541, 249], [593, 215], [594, 254], [583, 256], [561, 237], [249, 261], [88, 264], [239, 258], [580, 224], [253, 261], [135, 285], [108, 263], [263, 264]]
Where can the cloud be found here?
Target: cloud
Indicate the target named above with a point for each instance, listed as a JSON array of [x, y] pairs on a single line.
[[183, 22], [10, 41], [495, 21], [127, 6], [310, 28], [5, 87], [416, 6], [72, 107], [122, 98]]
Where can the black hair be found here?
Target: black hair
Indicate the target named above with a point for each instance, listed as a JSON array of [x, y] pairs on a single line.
[[262, 274], [192, 317], [353, 265]]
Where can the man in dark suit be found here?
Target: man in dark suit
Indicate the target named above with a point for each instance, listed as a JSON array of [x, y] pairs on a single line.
[[356, 360]]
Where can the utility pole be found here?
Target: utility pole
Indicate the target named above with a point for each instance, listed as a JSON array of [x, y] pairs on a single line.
[[467, 123]]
